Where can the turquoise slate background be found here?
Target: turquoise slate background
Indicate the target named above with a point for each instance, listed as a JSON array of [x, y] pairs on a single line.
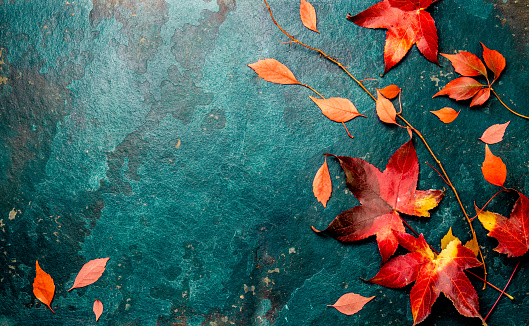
[[134, 130]]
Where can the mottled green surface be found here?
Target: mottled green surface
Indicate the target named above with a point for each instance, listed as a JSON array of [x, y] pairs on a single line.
[[134, 130]]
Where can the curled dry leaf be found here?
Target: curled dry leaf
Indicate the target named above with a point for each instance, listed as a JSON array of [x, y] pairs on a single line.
[[446, 115], [337, 109], [98, 309], [322, 186], [308, 15], [385, 110], [467, 64], [494, 134], [390, 91], [494, 60], [43, 287], [274, 71], [90, 272], [350, 303], [494, 170]]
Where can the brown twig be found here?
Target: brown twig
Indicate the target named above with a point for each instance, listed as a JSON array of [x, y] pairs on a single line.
[[502, 292], [508, 108]]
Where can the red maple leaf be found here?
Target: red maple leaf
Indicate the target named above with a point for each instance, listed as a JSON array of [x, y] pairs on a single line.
[[383, 195], [432, 274], [512, 233], [407, 23]]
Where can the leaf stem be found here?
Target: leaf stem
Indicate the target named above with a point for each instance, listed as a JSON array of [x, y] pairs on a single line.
[[323, 54], [482, 208], [505, 105], [502, 292]]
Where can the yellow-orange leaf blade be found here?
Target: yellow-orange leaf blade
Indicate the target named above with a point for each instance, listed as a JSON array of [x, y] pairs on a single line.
[[308, 15], [43, 287], [390, 91], [274, 71], [337, 109], [98, 309], [322, 186], [446, 115], [350, 303], [90, 272], [494, 170], [385, 110]]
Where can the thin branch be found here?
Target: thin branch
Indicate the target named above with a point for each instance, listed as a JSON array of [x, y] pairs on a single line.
[[502, 292], [482, 208], [508, 108]]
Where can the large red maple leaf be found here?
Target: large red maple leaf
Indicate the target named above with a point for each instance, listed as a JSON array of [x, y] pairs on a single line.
[[407, 23], [383, 196], [512, 233], [433, 274]]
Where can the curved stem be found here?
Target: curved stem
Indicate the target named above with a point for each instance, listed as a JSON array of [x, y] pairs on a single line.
[[482, 208], [502, 292], [508, 108], [323, 54]]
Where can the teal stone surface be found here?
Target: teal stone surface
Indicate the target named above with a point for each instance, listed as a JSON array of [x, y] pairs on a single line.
[[135, 130]]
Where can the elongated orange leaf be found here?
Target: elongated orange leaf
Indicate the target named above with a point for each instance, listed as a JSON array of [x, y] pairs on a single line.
[[43, 287], [390, 91], [385, 110], [274, 71], [337, 109], [494, 60], [322, 186], [90, 272], [467, 64], [98, 309], [494, 134], [350, 303], [446, 115], [308, 15], [494, 170], [461, 88]]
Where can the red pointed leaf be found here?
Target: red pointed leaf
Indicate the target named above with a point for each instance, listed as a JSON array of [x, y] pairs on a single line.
[[407, 23], [43, 287], [350, 303], [89, 273], [337, 109], [467, 64], [274, 71], [481, 96], [322, 186], [512, 233], [385, 110], [461, 88], [390, 91], [308, 15], [494, 60], [494, 134], [98, 309], [494, 170], [446, 115], [400, 271]]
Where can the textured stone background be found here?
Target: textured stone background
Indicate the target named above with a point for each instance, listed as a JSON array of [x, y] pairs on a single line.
[[134, 130]]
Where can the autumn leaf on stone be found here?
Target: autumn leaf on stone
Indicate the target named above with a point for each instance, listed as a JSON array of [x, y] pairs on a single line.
[[43, 286], [385, 110], [512, 233], [383, 197], [98, 309], [432, 273], [322, 186], [446, 115], [390, 91], [337, 109], [493, 168], [350, 303], [407, 23], [494, 134], [274, 71], [89, 273], [308, 15]]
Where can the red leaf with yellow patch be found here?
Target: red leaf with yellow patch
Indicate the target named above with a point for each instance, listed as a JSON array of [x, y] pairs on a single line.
[[383, 196], [43, 287], [432, 273], [350, 303], [512, 233], [407, 23], [493, 168], [322, 186]]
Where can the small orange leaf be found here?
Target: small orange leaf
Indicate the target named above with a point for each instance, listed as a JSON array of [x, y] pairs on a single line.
[[274, 71], [337, 109], [446, 115], [98, 309], [350, 303], [322, 186], [308, 15], [89, 273], [385, 110], [390, 91], [494, 134], [43, 287], [494, 170]]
